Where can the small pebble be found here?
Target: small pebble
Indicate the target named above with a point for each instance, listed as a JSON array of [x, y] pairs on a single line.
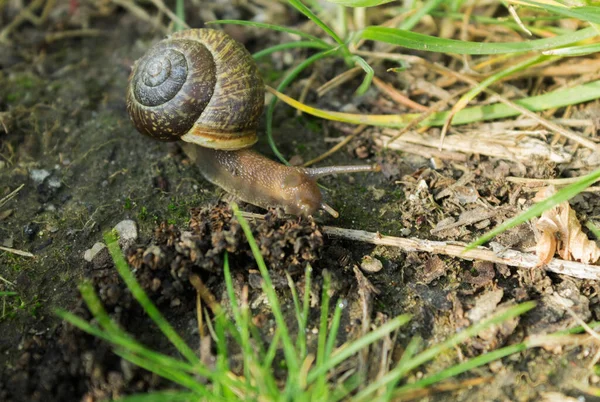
[[8, 242], [91, 253], [155, 284], [370, 264], [128, 234], [39, 175], [54, 182]]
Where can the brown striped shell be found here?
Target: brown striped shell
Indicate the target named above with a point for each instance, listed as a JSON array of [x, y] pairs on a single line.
[[198, 85]]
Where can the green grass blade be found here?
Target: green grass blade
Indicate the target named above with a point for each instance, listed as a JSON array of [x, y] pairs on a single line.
[[176, 376], [290, 45], [580, 50], [594, 229], [233, 302], [562, 195], [476, 90], [411, 349], [470, 364], [222, 358], [320, 387], [97, 309], [180, 13], [139, 294], [242, 331], [586, 13], [360, 3], [410, 364], [8, 293], [161, 396], [350, 385], [335, 326], [537, 29], [298, 5], [132, 346], [468, 333], [281, 87], [301, 338], [306, 298], [288, 346], [346, 351], [267, 365], [417, 41], [240, 318], [369, 73], [416, 17], [272, 27], [559, 98]]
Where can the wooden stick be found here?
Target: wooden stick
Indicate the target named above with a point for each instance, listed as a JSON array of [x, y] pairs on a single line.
[[510, 257], [506, 256]]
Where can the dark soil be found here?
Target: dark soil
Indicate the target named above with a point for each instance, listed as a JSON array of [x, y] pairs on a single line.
[[66, 137]]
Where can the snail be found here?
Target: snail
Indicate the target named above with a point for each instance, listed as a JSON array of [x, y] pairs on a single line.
[[204, 88]]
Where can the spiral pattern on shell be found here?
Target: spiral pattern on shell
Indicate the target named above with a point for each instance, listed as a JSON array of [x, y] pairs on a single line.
[[198, 85]]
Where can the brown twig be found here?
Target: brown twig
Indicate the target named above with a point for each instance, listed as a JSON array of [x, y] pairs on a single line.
[[457, 249], [510, 257], [397, 96]]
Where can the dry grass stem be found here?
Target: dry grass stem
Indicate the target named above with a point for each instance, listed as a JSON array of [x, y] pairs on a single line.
[[17, 252], [25, 14], [508, 147], [398, 96], [141, 14], [509, 257], [162, 7], [457, 249], [11, 195], [3, 279], [551, 341], [308, 83], [338, 80], [74, 33], [542, 182], [427, 152], [338, 146], [439, 105], [448, 386], [524, 111]]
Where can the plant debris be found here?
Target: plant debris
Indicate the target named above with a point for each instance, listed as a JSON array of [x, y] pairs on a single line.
[[560, 232]]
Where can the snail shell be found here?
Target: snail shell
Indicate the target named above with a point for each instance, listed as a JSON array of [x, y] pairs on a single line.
[[198, 85]]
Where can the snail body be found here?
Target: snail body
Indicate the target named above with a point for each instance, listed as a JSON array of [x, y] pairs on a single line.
[[258, 180], [203, 87]]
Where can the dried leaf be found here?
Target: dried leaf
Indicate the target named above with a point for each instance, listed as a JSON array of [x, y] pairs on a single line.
[[560, 230], [546, 244]]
